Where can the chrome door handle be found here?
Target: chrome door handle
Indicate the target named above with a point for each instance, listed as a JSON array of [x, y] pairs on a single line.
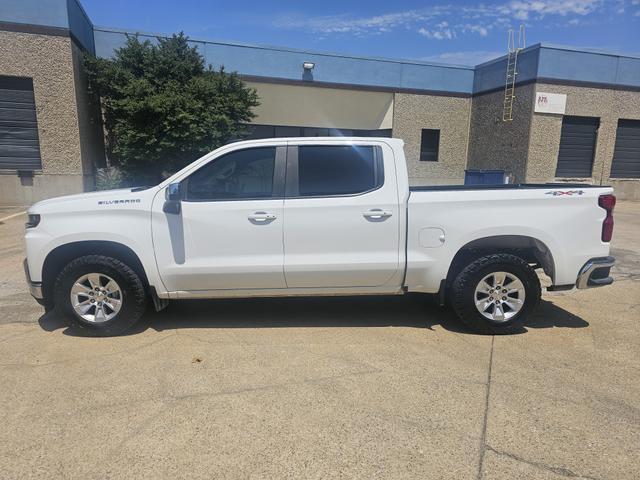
[[262, 217], [377, 214]]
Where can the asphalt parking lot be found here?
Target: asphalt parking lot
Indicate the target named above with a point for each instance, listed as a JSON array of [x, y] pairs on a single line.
[[325, 388]]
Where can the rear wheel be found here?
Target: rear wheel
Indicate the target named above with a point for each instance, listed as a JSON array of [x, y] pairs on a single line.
[[495, 293], [100, 295]]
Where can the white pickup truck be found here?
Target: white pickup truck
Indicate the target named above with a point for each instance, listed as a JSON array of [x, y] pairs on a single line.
[[314, 216]]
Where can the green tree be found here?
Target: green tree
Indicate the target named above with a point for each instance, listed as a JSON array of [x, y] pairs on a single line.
[[163, 107]]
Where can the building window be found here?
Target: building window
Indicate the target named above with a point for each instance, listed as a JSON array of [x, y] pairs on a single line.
[[429, 145], [256, 131], [260, 131], [341, 132], [19, 145], [283, 131], [626, 156]]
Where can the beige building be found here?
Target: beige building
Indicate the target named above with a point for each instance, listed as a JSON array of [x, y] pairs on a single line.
[[49, 141], [529, 147], [576, 118], [576, 114], [324, 111]]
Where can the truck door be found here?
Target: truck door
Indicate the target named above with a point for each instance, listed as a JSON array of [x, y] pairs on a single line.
[[228, 234], [341, 216]]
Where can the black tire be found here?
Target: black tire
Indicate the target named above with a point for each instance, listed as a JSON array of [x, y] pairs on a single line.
[[464, 286], [134, 297]]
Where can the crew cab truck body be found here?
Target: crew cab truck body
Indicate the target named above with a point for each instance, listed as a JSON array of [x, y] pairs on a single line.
[[314, 216]]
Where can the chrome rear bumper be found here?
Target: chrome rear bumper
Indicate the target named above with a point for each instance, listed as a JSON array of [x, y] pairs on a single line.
[[595, 273], [35, 288]]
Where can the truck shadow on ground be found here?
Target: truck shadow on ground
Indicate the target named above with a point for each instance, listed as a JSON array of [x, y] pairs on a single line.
[[417, 311]]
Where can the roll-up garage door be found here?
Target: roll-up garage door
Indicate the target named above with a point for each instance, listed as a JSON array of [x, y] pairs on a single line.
[[19, 147], [577, 146], [626, 156]]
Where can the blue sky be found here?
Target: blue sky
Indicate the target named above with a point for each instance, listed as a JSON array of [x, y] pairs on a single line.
[[457, 31]]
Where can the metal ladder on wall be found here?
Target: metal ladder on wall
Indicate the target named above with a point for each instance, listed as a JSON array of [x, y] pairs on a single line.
[[510, 81]]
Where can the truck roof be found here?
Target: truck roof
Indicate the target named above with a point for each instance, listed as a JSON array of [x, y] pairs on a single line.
[[321, 139]]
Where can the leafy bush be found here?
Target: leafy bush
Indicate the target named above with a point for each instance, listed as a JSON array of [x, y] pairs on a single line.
[[109, 178], [162, 106]]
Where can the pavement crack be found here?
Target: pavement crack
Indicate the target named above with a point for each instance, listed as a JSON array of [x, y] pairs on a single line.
[[135, 348], [137, 430], [306, 381], [565, 472], [483, 435]]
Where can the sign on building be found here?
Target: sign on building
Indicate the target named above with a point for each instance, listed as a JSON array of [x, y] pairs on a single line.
[[550, 103]]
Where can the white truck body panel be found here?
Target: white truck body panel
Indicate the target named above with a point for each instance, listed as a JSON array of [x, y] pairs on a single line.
[[213, 245], [330, 242], [569, 226], [95, 216], [319, 245]]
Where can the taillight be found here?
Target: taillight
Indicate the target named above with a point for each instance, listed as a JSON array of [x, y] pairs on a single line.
[[607, 202]]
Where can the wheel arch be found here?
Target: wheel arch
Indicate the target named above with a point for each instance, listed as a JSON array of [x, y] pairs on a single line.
[[60, 256], [530, 249]]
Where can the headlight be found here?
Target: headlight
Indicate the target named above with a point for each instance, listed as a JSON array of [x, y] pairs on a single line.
[[32, 221]]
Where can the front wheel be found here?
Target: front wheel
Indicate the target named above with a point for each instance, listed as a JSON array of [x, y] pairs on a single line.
[[494, 294], [100, 295]]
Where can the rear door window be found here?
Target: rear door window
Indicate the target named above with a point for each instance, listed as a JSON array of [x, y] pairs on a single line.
[[326, 170]]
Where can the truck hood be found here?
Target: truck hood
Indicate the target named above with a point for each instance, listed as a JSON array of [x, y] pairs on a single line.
[[124, 197]]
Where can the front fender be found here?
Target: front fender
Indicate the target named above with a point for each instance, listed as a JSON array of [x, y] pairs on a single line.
[[132, 230]]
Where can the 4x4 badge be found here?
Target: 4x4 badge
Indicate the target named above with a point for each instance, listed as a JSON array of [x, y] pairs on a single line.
[[559, 193]]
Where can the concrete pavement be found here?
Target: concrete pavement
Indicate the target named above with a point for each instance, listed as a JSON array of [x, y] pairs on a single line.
[[325, 388]]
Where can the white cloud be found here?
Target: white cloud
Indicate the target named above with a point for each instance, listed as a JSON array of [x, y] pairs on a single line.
[[441, 34], [446, 21], [481, 30], [523, 10], [346, 24]]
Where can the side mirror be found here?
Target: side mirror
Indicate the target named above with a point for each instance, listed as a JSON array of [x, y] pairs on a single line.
[[172, 197]]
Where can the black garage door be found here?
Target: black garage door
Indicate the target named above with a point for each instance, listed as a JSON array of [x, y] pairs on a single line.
[[577, 146], [626, 156], [19, 147]]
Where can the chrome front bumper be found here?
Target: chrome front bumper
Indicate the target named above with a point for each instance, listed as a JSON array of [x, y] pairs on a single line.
[[595, 273], [35, 288]]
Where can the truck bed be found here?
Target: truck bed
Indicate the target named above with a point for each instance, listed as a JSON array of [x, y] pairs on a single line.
[[564, 218]]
